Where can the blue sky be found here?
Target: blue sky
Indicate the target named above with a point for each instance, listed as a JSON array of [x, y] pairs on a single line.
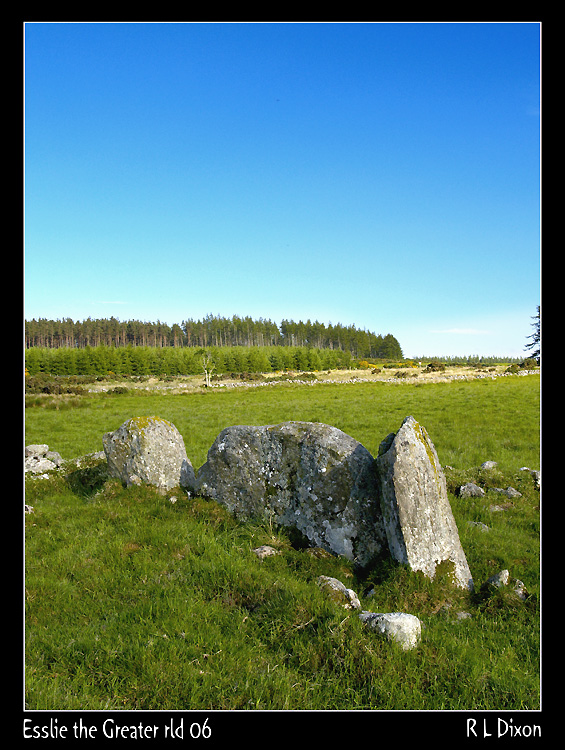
[[385, 175]]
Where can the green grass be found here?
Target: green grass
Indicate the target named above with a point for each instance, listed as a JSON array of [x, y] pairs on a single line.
[[133, 602], [468, 421]]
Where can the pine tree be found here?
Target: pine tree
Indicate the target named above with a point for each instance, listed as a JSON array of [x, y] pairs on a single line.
[[535, 343]]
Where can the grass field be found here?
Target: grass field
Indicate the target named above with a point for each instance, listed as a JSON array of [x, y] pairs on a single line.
[[135, 602]]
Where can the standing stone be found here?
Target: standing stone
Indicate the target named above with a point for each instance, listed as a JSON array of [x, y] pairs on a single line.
[[148, 450], [419, 524], [304, 475]]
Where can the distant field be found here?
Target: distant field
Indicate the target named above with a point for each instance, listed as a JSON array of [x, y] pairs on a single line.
[[134, 602], [469, 421]]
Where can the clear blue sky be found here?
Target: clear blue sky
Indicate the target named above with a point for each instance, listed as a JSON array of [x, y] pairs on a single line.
[[375, 174]]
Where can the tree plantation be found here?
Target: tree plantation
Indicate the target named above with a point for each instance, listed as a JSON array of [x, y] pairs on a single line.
[[212, 331], [146, 360]]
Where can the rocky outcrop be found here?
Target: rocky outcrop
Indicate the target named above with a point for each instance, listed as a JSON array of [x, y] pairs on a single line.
[[419, 524], [39, 459], [148, 450], [304, 475]]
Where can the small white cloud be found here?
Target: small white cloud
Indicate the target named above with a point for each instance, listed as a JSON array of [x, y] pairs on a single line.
[[463, 331]]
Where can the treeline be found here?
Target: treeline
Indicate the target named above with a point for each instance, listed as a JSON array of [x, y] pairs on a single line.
[[103, 361], [212, 331], [470, 360]]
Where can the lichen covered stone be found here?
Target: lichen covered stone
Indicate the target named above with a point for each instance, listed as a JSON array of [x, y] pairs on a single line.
[[148, 450], [418, 520], [399, 627], [305, 475]]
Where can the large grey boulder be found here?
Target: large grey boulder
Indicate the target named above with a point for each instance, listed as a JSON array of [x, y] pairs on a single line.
[[148, 450], [419, 524], [304, 475]]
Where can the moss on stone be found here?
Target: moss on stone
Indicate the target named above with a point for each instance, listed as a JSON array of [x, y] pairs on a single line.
[[141, 423]]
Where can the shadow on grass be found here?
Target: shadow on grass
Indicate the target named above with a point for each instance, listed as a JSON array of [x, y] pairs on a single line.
[[87, 481]]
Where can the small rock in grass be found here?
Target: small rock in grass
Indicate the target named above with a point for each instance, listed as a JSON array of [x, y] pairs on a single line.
[[36, 450], [339, 593], [471, 490], [536, 475], [402, 628], [510, 492], [478, 525], [55, 458], [463, 615], [38, 465], [499, 579], [265, 551], [503, 578]]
